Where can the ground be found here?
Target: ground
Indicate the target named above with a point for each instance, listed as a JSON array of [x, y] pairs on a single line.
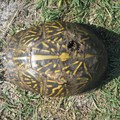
[[101, 104]]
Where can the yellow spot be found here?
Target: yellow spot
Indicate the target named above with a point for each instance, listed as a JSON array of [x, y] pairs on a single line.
[[64, 56], [54, 65]]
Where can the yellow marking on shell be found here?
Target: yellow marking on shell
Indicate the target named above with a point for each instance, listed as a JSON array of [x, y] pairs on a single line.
[[66, 67], [56, 71], [51, 81], [26, 79], [47, 51], [36, 89], [63, 46], [35, 85], [60, 40], [28, 41], [82, 78], [46, 65], [28, 83], [83, 31], [21, 58], [52, 49], [41, 88], [54, 65], [68, 71], [63, 79], [44, 57], [44, 44], [36, 38], [83, 39], [21, 75], [59, 24], [56, 38], [22, 51], [34, 48], [31, 73], [64, 56], [86, 70], [21, 64], [54, 89], [33, 81], [49, 86], [28, 36], [57, 33], [59, 92], [46, 72], [49, 31], [52, 42], [89, 55], [48, 40], [61, 29], [53, 26], [75, 71], [58, 46], [76, 62], [33, 32]]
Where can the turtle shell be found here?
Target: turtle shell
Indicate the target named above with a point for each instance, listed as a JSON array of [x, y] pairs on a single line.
[[55, 59]]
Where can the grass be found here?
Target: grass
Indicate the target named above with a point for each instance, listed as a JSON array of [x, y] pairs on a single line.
[[102, 104]]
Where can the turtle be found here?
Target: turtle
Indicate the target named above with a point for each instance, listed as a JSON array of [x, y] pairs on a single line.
[[55, 59]]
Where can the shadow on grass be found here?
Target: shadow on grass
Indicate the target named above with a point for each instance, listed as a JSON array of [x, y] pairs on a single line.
[[111, 41]]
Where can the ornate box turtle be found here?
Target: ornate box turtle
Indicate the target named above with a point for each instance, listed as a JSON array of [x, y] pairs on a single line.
[[55, 59]]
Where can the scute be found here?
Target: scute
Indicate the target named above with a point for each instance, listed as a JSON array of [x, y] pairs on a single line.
[[56, 59]]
